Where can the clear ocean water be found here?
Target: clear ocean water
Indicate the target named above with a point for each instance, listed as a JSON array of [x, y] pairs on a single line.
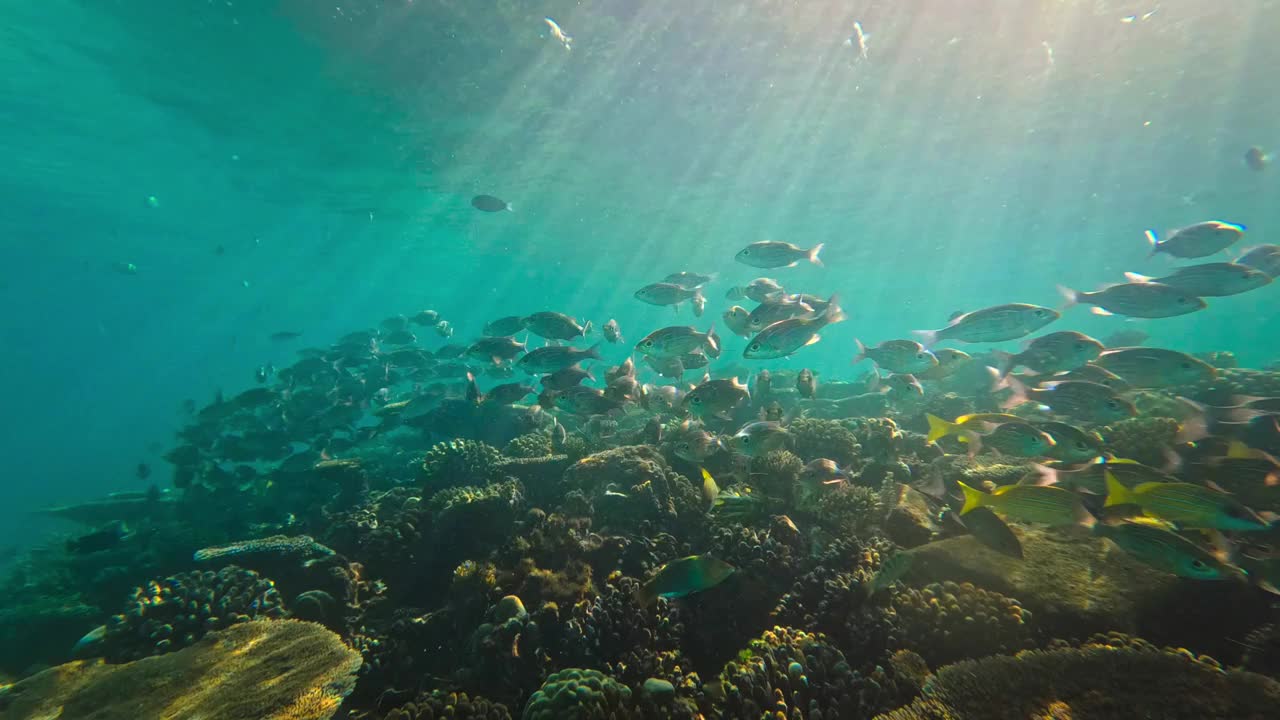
[[305, 166]]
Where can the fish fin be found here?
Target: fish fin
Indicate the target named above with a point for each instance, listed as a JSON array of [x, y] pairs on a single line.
[[1044, 475], [814, 339], [1018, 388], [834, 313], [939, 428], [813, 255], [1172, 461], [928, 338], [973, 498], [1099, 311], [594, 351], [1154, 241], [1134, 277], [1071, 296], [511, 208], [1005, 361], [1117, 494], [586, 329], [1196, 426], [1237, 450], [862, 352]]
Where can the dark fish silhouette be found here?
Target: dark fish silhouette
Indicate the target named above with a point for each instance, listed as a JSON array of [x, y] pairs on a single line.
[[490, 204]]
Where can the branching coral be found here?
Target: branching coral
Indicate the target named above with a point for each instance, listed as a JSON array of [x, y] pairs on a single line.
[[946, 622], [175, 612], [460, 462]]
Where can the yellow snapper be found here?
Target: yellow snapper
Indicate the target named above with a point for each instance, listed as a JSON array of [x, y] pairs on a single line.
[[1045, 505], [1185, 504]]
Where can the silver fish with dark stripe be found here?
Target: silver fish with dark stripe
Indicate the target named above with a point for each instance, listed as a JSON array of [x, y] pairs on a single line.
[[993, 324]]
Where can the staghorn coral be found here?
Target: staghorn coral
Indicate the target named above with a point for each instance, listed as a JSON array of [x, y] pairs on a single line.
[[789, 673], [946, 622], [268, 670], [574, 694], [1145, 439], [812, 439], [1116, 678], [460, 462], [532, 445], [437, 705], [177, 611]]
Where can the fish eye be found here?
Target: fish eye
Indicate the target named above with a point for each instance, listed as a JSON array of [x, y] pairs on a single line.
[[696, 400], [1082, 445], [1182, 300], [1198, 565], [1113, 404], [755, 346], [1040, 313], [1185, 365]]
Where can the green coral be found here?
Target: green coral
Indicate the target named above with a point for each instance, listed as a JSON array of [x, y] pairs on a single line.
[[1115, 678], [460, 462], [946, 622], [532, 445], [1144, 439], [813, 438], [574, 694], [172, 613]]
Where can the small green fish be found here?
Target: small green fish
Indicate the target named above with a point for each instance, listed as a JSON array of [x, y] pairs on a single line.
[[1071, 444], [1166, 550], [1081, 400], [716, 397], [551, 358], [1018, 439], [993, 324], [1155, 367], [1185, 504], [760, 438], [582, 400], [988, 529], [685, 576], [898, 356], [890, 572], [949, 361], [1045, 505], [774, 254], [736, 318], [495, 349], [1094, 374], [693, 443]]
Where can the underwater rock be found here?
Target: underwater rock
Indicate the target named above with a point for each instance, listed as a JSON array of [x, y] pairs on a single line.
[[42, 632], [574, 694], [909, 521], [1077, 585], [267, 670], [175, 612], [460, 462], [947, 622], [1095, 681]]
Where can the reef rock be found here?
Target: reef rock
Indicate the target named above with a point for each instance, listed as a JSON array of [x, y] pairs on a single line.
[[267, 670], [1077, 585]]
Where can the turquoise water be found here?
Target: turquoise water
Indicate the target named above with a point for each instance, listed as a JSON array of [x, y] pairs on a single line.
[[285, 166]]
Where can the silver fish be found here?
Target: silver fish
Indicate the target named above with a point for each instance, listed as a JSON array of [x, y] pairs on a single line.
[[758, 290], [667, 293], [1199, 240], [1263, 257], [689, 280], [787, 336], [1142, 300], [760, 438], [554, 357], [775, 254], [1155, 367], [677, 340], [768, 313], [736, 318], [1209, 279], [612, 333], [993, 324], [899, 356], [555, 326]]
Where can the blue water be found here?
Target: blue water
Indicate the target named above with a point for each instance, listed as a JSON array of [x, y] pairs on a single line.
[[982, 153]]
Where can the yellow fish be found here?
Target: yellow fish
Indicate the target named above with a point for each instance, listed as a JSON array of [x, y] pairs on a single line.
[[1042, 504]]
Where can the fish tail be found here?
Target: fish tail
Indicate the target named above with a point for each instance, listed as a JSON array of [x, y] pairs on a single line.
[[1196, 426], [862, 352], [939, 428], [834, 313], [1006, 362], [713, 340], [813, 255], [594, 351], [1117, 494], [586, 328], [973, 498], [511, 208], [1045, 475], [928, 338], [1154, 241], [1071, 297]]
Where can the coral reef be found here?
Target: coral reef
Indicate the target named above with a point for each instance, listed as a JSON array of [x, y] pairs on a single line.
[[438, 705], [574, 694], [776, 473], [532, 445], [1096, 680], [790, 673], [946, 622], [272, 670], [177, 611], [1145, 439], [460, 462], [847, 510], [813, 438]]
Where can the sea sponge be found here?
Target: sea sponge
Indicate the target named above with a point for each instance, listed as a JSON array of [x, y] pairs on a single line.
[[789, 673], [574, 694], [269, 670], [813, 439], [460, 462], [531, 445], [455, 706], [946, 622], [1144, 439], [175, 612], [1119, 680]]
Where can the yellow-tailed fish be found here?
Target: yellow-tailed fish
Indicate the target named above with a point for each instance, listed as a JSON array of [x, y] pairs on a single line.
[[685, 576], [710, 491], [1185, 504], [1045, 505], [1166, 550]]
